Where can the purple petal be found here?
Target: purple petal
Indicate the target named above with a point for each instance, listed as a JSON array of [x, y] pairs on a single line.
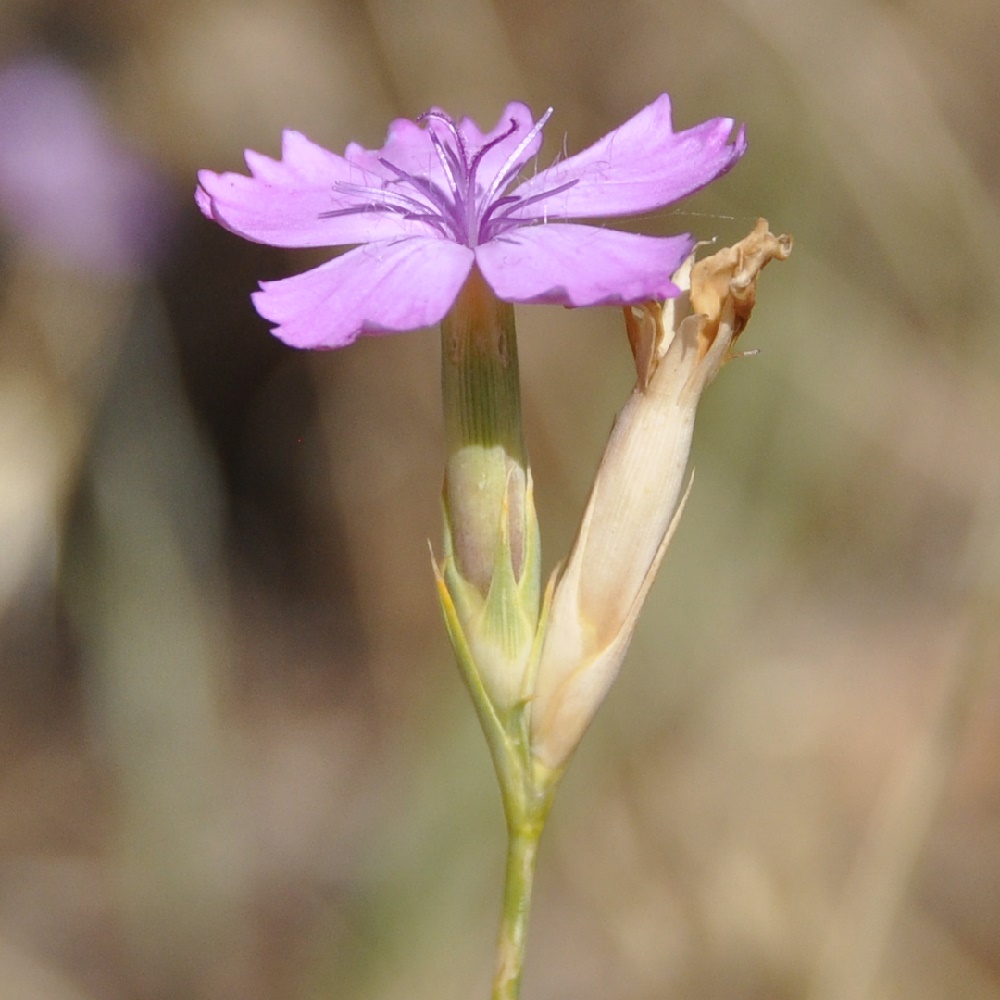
[[640, 166], [287, 202], [377, 288], [581, 265]]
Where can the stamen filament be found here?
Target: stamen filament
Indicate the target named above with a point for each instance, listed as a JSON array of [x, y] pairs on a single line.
[[379, 198], [507, 172], [443, 158], [515, 204]]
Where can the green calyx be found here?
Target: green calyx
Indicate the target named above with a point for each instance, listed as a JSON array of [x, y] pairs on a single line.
[[491, 567], [500, 627]]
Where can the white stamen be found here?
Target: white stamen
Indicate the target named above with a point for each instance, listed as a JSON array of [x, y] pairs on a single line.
[[502, 177], [442, 159]]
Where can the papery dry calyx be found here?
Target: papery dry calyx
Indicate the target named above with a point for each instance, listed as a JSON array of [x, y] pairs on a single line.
[[637, 496]]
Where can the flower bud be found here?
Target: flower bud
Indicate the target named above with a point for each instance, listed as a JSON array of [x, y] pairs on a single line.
[[638, 495]]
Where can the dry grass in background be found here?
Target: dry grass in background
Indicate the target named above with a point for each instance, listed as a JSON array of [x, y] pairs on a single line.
[[235, 758]]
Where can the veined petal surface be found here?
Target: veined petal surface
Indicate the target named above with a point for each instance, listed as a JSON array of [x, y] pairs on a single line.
[[288, 202], [573, 265], [375, 288], [640, 166]]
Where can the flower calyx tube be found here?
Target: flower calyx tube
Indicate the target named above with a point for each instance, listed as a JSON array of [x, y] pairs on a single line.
[[638, 494], [491, 567]]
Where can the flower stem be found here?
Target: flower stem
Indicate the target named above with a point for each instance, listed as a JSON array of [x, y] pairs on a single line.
[[522, 851]]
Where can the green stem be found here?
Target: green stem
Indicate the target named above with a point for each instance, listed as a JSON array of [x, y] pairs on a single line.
[[522, 851]]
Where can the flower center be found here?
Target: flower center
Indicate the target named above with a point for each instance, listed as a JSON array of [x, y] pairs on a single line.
[[466, 208]]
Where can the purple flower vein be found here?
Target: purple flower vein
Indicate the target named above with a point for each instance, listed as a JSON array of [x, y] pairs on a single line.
[[441, 197]]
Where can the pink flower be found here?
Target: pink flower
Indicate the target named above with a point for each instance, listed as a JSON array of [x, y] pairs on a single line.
[[438, 198]]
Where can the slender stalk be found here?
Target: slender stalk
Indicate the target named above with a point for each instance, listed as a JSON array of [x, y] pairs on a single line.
[[522, 852]]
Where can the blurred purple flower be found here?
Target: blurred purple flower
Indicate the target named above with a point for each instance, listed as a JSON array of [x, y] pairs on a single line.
[[434, 201], [68, 186]]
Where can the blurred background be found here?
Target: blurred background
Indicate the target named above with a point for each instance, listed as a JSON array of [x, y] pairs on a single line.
[[236, 760]]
